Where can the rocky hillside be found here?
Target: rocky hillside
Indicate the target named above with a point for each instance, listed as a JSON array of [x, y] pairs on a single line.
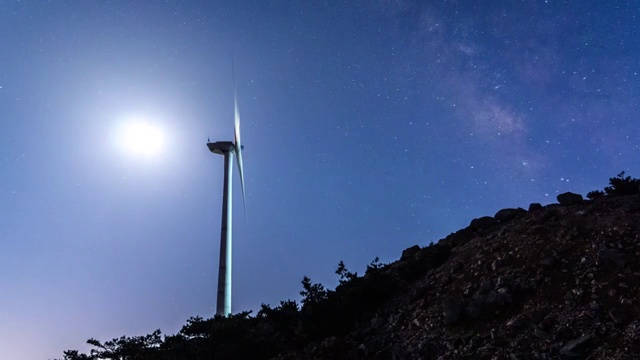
[[552, 282]]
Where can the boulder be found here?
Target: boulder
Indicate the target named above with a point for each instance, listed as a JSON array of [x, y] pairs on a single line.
[[410, 252], [535, 207], [457, 238], [509, 214], [482, 223], [570, 198]]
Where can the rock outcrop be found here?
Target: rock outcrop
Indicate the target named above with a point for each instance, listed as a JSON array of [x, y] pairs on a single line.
[[569, 198]]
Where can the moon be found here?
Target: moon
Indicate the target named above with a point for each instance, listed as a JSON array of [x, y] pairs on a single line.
[[141, 138]]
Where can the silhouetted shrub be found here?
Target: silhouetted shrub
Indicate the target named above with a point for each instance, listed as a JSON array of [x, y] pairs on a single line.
[[596, 194], [76, 355], [281, 324], [131, 348], [355, 299], [621, 185]]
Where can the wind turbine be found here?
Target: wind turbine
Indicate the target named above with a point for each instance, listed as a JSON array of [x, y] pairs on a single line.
[[228, 149]]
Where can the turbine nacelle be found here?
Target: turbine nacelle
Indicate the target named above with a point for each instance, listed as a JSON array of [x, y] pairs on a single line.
[[220, 147]]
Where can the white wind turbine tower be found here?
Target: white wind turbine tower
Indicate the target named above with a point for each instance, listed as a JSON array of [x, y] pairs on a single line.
[[228, 148]]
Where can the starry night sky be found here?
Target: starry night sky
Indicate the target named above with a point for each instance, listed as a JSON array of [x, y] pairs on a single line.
[[369, 126]]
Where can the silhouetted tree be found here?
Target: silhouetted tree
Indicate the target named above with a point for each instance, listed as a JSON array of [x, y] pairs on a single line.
[[621, 185], [75, 355], [345, 275], [375, 266], [312, 293], [127, 348]]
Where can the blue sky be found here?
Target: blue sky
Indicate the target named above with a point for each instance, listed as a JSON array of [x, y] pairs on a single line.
[[369, 126]]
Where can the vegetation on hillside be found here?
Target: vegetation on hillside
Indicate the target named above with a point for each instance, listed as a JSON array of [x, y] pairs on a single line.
[[322, 313], [618, 186]]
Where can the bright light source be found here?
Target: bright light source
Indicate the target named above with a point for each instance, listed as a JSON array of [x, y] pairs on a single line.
[[140, 138]]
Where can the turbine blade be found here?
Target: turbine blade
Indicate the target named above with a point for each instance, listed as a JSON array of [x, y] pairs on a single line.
[[238, 151]]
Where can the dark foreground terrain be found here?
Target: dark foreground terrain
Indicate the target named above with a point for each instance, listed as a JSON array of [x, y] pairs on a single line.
[[554, 282]]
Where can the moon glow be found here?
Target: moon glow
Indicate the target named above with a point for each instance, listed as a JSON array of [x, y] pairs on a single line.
[[138, 137]]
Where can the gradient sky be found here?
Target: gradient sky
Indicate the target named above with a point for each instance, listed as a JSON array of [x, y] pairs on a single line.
[[369, 126]]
